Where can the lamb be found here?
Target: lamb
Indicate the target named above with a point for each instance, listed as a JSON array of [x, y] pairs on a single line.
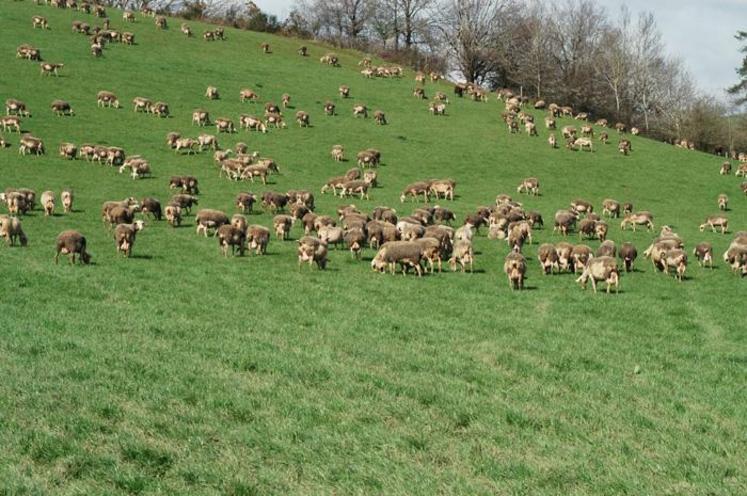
[[714, 222], [704, 253], [530, 185], [107, 99], [548, 258], [404, 253], [515, 267], [229, 235], [62, 108], [628, 254], [601, 269], [124, 236], [67, 198], [207, 219], [72, 243], [48, 203], [11, 230], [432, 252], [637, 219]]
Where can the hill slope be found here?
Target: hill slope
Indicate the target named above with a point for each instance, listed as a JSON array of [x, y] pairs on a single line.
[[179, 371]]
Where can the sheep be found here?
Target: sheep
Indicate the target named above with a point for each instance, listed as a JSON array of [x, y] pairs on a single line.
[[581, 144], [250, 122], [360, 110], [160, 22], [62, 108], [124, 236], [39, 22], [611, 208], [564, 221], [276, 120], [638, 218], [552, 141], [385, 214], [331, 235], [548, 258], [723, 202], [68, 151], [245, 201], [229, 235], [565, 255], [628, 254], [587, 131], [211, 93], [725, 168], [675, 258], [569, 132], [207, 141], [530, 185], [550, 123], [67, 198], [442, 188], [404, 253], [370, 158], [128, 38], [201, 117], [432, 252], [48, 203], [282, 225], [354, 238], [188, 184], [28, 52], [72, 243], [173, 214], [224, 125], [207, 219], [16, 108], [302, 118], [601, 269], [274, 201], [415, 190], [704, 253], [128, 16], [338, 153], [312, 250], [604, 137], [30, 144], [188, 144], [741, 170], [302, 51], [184, 201], [257, 238], [239, 222], [714, 222], [48, 69], [624, 147], [380, 232], [607, 249], [515, 267], [107, 99], [160, 109], [736, 255], [11, 230], [10, 122], [627, 208], [261, 170], [380, 118], [344, 91]]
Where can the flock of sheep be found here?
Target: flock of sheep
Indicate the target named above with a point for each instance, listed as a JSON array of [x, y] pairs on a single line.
[[421, 241]]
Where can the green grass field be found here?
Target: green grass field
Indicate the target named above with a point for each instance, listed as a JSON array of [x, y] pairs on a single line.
[[180, 372]]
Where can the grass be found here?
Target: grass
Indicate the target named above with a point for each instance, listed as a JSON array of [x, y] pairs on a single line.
[[181, 372]]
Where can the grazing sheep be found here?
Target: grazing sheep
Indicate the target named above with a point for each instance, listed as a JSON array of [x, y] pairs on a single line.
[[370, 157], [442, 188], [414, 190], [211, 93], [128, 38], [550, 123], [184, 201], [28, 52], [436, 108], [564, 221], [231, 236], [628, 254], [601, 269], [330, 59], [581, 144], [201, 117], [625, 147], [16, 108], [48, 203], [360, 110], [160, 22], [173, 215], [128, 17], [207, 141], [704, 253], [160, 109], [39, 22], [714, 222], [68, 151], [725, 168], [48, 69], [553, 141], [10, 122], [404, 253], [723, 202], [188, 184], [621, 128], [548, 258], [62, 108], [124, 236], [338, 153], [224, 125], [207, 219], [67, 198], [107, 99], [344, 91], [302, 118], [604, 137], [265, 47], [245, 201], [72, 243], [250, 122], [274, 201], [355, 239], [380, 118], [677, 259], [569, 132], [530, 185], [580, 206], [607, 249], [239, 222], [257, 238], [515, 267], [276, 120], [11, 230], [312, 250], [30, 144], [611, 208], [282, 225]]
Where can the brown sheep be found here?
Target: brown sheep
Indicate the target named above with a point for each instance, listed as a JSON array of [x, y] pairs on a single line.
[[515, 267], [628, 254], [72, 243], [704, 253], [257, 238], [229, 235], [207, 219], [124, 236], [601, 269], [548, 258]]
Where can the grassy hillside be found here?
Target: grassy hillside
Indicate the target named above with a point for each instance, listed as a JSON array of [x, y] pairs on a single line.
[[180, 372]]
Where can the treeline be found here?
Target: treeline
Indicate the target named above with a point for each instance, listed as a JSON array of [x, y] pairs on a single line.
[[573, 53]]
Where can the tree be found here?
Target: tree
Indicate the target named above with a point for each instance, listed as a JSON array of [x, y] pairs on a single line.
[[741, 87]]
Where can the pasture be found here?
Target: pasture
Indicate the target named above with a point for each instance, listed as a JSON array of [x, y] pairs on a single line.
[[179, 371]]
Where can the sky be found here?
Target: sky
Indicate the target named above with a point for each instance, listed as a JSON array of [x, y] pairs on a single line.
[[701, 33]]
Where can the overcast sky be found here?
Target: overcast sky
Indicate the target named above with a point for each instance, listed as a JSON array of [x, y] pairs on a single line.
[[699, 32]]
